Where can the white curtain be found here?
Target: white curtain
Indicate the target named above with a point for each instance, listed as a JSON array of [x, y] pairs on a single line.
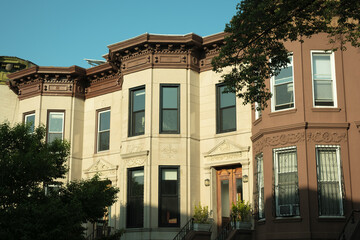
[[329, 181]]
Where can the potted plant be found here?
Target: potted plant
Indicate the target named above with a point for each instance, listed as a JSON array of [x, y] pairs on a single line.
[[241, 211], [201, 218]]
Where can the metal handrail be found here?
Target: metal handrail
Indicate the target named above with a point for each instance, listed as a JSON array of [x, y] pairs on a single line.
[[225, 231], [185, 230], [349, 220]]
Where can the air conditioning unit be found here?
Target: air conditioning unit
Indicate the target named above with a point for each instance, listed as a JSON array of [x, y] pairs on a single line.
[[288, 210]]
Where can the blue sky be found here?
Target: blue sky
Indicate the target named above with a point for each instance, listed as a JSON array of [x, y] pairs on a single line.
[[64, 32]]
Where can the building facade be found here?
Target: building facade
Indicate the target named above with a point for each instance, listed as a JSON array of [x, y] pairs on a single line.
[[305, 144], [154, 119]]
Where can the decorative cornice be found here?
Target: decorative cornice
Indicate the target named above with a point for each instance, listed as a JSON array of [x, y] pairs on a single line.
[[146, 51], [278, 140], [326, 137]]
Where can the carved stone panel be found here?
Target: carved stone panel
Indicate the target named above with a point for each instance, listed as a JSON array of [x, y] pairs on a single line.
[[105, 170], [278, 140], [326, 137]]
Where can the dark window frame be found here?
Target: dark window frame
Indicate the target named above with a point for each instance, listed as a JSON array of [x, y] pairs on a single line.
[[219, 117], [161, 168], [161, 108], [129, 170], [131, 132], [97, 122], [49, 111]]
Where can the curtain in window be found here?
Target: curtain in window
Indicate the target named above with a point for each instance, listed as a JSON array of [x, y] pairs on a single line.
[[287, 183], [260, 185], [329, 184]]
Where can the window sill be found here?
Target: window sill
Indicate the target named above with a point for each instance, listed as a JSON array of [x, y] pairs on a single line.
[[261, 221], [287, 219], [283, 112], [331, 218], [257, 121], [325, 109], [102, 153]]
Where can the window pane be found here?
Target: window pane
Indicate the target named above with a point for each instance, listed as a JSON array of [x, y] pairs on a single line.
[[139, 100], [169, 120], [104, 123], [169, 174], [135, 205], [226, 99], [169, 97], [228, 119], [169, 198], [330, 195], [56, 122], [321, 66], [169, 213], [284, 76], [323, 90], [30, 119], [139, 123], [286, 179], [284, 94], [225, 199], [104, 138], [260, 183], [53, 136]]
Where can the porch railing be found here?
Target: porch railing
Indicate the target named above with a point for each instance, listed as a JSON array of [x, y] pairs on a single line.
[[225, 231], [185, 230], [351, 226]]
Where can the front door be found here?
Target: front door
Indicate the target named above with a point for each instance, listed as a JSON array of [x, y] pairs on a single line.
[[229, 190]]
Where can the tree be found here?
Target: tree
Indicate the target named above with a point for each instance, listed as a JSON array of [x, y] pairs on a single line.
[[259, 29], [28, 164]]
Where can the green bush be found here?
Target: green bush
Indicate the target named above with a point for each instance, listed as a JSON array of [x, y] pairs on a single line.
[[201, 214], [241, 210]]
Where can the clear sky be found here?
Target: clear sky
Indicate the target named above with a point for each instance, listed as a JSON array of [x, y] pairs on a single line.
[[64, 32]]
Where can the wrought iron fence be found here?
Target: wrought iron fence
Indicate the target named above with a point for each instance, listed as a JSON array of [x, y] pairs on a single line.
[[185, 230], [352, 224]]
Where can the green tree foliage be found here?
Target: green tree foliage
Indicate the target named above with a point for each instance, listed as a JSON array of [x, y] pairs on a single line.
[[27, 163], [259, 29]]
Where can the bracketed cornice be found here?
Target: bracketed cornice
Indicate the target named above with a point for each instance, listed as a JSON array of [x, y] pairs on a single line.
[[146, 51]]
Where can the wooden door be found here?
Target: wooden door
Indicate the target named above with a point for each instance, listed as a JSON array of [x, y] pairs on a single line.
[[229, 190]]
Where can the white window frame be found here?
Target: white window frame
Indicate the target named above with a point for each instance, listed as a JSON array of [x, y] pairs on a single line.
[[272, 82], [333, 76], [258, 113], [338, 160], [28, 115], [98, 129], [62, 127], [276, 176]]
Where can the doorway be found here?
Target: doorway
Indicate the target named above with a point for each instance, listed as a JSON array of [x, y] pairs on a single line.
[[229, 190]]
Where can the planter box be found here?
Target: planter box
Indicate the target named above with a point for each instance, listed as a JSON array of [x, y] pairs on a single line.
[[243, 225], [202, 227]]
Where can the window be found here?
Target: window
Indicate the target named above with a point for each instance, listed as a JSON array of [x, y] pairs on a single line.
[[169, 198], [137, 111], [226, 110], [286, 182], [169, 109], [329, 181], [260, 185], [29, 118], [283, 88], [135, 198], [103, 130], [55, 125], [323, 73], [258, 112]]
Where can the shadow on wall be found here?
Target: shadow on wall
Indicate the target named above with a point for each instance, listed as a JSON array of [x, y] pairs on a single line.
[[308, 214]]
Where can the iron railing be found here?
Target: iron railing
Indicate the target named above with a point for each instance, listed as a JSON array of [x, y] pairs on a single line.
[[185, 230], [225, 231], [99, 232], [352, 224]]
